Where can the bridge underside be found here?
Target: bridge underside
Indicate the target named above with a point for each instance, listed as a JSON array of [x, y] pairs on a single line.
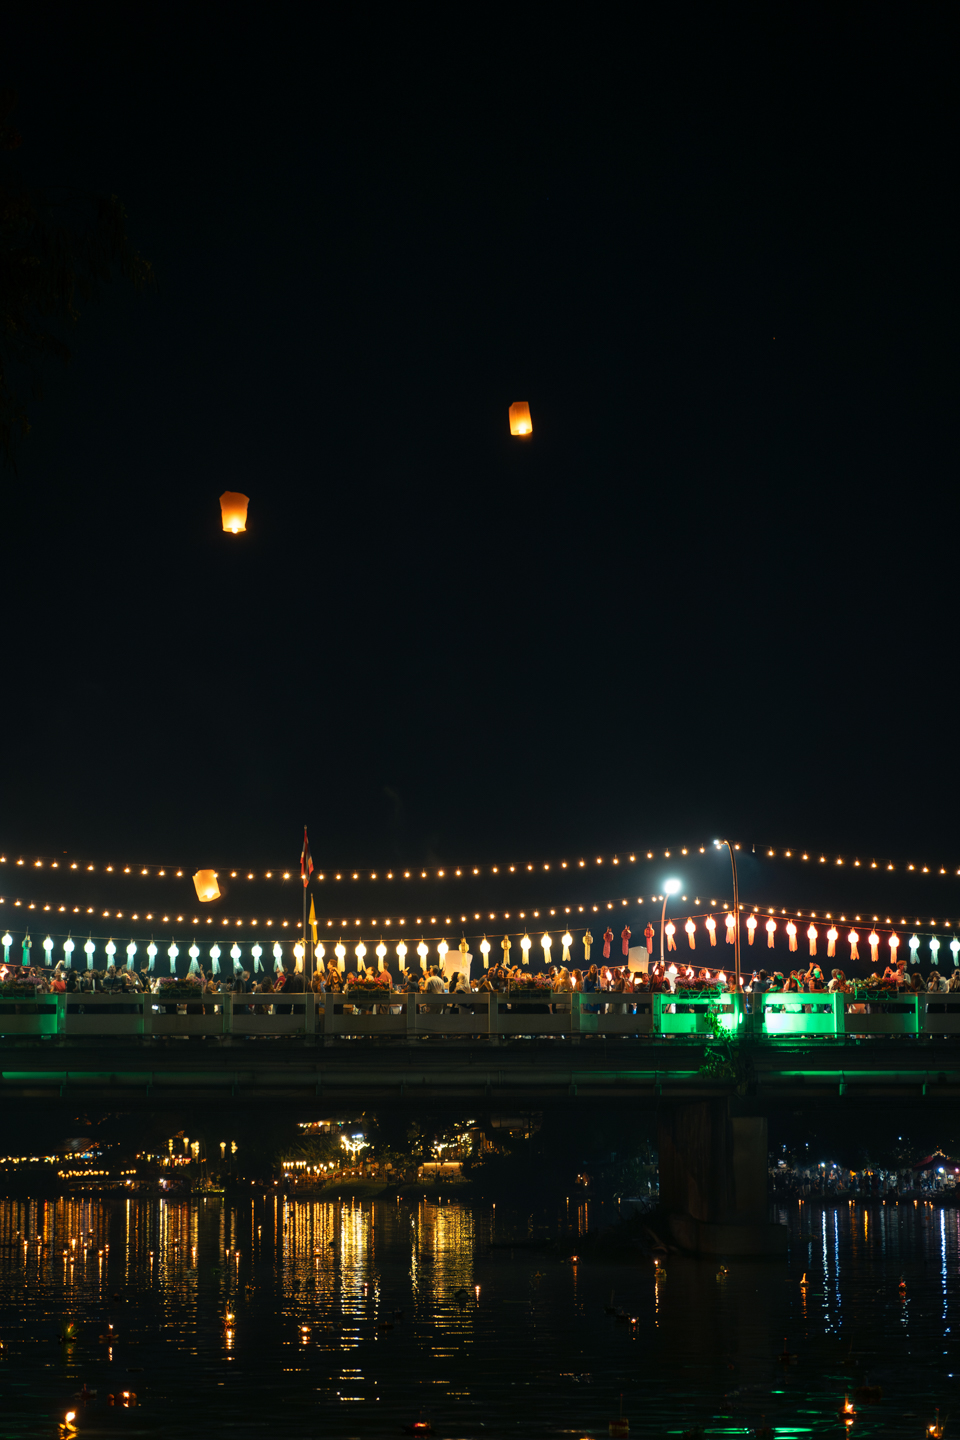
[[156, 1074]]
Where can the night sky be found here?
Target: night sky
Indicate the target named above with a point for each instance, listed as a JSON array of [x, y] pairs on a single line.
[[716, 593]]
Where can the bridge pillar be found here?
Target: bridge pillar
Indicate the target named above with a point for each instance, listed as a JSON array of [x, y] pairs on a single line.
[[713, 1180]]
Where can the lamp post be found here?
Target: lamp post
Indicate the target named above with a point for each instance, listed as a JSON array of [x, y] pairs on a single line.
[[736, 908], [670, 887]]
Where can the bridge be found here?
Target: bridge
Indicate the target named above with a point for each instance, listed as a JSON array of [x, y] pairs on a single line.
[[710, 1069]]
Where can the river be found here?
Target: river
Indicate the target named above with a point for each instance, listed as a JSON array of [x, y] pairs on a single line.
[[490, 1341]]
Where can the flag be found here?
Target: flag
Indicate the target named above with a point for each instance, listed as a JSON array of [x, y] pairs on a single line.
[[306, 860], [313, 920]]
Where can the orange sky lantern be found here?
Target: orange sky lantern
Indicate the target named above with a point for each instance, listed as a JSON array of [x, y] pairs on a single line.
[[233, 510], [520, 422], [206, 884]]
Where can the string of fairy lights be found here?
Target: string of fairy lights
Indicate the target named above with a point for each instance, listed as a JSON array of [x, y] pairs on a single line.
[[348, 874]]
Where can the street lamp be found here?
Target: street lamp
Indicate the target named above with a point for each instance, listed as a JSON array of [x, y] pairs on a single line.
[[670, 887], [736, 909]]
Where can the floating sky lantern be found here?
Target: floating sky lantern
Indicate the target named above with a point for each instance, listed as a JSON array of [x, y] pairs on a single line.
[[206, 885], [520, 422], [233, 511]]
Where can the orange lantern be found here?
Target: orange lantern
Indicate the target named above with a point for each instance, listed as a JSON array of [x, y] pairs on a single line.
[[233, 510], [671, 931], [520, 422], [711, 925], [770, 927], [792, 932], [751, 926], [731, 927], [854, 940], [894, 944], [832, 941], [206, 883], [812, 937], [874, 941], [691, 934]]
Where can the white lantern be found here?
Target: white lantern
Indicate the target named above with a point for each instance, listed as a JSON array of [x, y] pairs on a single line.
[[566, 942], [298, 955], [47, 947], [214, 958], [485, 952], [172, 953], [6, 942], [340, 951], [381, 951], [935, 949], [442, 949], [360, 952], [401, 954], [68, 949], [151, 955], [256, 952], [318, 950], [111, 949], [277, 958], [131, 951], [955, 950], [89, 948], [423, 952], [546, 942], [235, 956], [525, 944]]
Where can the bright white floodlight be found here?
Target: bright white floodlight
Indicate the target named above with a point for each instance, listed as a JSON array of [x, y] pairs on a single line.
[[671, 887]]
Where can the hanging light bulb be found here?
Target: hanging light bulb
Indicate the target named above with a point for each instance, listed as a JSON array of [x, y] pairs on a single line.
[[205, 882], [233, 511]]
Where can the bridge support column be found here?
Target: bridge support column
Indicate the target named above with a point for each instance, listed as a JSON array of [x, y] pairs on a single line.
[[713, 1180]]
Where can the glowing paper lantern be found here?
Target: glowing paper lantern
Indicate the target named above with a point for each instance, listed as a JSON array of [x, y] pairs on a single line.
[[671, 930], [89, 948], [854, 940], [812, 937], [832, 942], [648, 934], [256, 952], [7, 942], [525, 944], [894, 944], [151, 955], [731, 929], [873, 939], [68, 949], [587, 942], [751, 927], [47, 947], [278, 958], [381, 951], [423, 952], [111, 949], [691, 930], [402, 954], [340, 951], [194, 953], [546, 942], [206, 885], [131, 951], [442, 949], [485, 952], [172, 953], [318, 950], [914, 943], [711, 925], [214, 956], [520, 422], [298, 955], [770, 927], [235, 956], [935, 950], [792, 935], [566, 942], [233, 511], [955, 950]]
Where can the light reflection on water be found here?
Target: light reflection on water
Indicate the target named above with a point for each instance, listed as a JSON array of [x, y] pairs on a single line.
[[489, 1340]]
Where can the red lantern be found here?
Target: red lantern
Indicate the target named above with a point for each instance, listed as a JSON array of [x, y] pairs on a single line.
[[625, 934], [607, 937], [648, 936]]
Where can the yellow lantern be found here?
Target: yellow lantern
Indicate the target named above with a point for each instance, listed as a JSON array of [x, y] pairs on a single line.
[[520, 422], [206, 884], [233, 510]]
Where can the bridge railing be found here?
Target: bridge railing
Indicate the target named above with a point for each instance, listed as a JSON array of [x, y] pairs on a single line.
[[486, 1015]]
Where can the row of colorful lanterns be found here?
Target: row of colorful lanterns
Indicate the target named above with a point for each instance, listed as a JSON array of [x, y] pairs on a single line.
[[813, 937]]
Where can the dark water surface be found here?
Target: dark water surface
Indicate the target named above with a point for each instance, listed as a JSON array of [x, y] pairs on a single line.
[[530, 1348]]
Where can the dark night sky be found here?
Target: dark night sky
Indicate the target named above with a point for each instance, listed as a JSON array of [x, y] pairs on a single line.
[[714, 247]]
